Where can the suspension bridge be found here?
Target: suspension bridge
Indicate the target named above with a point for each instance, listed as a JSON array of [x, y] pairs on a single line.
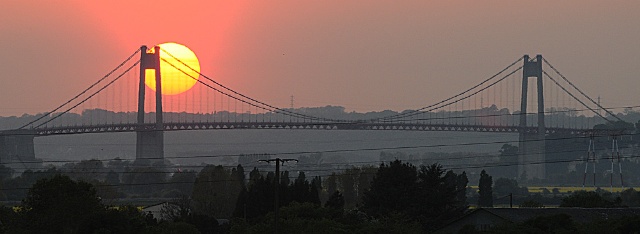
[[120, 102]]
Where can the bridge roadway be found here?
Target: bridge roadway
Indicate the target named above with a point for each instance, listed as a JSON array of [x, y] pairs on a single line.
[[179, 126]]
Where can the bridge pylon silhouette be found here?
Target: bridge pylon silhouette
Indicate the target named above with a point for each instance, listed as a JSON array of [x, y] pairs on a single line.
[[104, 108], [531, 146], [149, 141]]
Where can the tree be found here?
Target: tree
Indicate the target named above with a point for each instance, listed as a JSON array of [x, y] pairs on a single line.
[[531, 204], [296, 218], [181, 183], [509, 161], [125, 219], [586, 200], [336, 201], [504, 186], [175, 228], [364, 180], [429, 196], [14, 186], [331, 184], [556, 145], [118, 165], [215, 191], [392, 189], [285, 192], [257, 200], [5, 173], [299, 191], [8, 218], [439, 193], [241, 204], [630, 197], [485, 191], [112, 178], [314, 190], [459, 185], [238, 173], [254, 176], [60, 205], [347, 182], [524, 176], [147, 181], [461, 188], [88, 170]]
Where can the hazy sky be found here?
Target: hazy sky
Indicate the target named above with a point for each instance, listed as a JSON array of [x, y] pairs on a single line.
[[364, 55]]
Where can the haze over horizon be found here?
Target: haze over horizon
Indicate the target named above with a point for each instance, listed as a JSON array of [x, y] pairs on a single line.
[[365, 57]]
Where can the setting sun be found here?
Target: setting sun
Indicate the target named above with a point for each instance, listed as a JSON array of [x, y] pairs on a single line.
[[175, 81]]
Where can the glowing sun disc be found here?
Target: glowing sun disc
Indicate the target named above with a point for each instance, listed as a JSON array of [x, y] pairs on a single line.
[[175, 81]]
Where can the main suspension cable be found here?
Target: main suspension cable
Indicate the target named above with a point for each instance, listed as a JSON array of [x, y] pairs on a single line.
[[273, 108], [448, 99], [575, 87], [575, 98], [83, 92], [90, 96]]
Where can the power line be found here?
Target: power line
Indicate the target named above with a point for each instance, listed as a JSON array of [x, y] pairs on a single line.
[[343, 150], [332, 171], [469, 156]]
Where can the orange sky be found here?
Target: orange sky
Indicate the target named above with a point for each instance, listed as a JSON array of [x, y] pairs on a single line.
[[364, 55]]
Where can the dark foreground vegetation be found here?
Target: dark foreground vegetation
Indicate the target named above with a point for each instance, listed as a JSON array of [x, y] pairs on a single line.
[[563, 223], [395, 198], [400, 198]]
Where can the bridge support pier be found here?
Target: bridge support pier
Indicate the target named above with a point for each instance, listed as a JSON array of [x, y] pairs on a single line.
[[150, 142], [17, 150], [149, 148], [531, 147], [531, 157]]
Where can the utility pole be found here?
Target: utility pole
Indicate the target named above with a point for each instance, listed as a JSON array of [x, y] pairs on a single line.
[[276, 183], [510, 200]]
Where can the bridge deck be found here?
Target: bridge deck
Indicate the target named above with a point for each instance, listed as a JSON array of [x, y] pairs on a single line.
[[300, 126]]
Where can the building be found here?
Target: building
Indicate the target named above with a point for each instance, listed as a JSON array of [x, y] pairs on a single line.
[[161, 212], [157, 210]]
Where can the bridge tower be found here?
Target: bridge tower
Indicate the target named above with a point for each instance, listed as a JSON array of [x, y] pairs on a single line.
[[531, 155], [149, 140]]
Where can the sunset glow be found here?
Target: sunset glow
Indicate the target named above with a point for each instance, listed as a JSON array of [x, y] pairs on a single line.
[[318, 51], [176, 60]]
